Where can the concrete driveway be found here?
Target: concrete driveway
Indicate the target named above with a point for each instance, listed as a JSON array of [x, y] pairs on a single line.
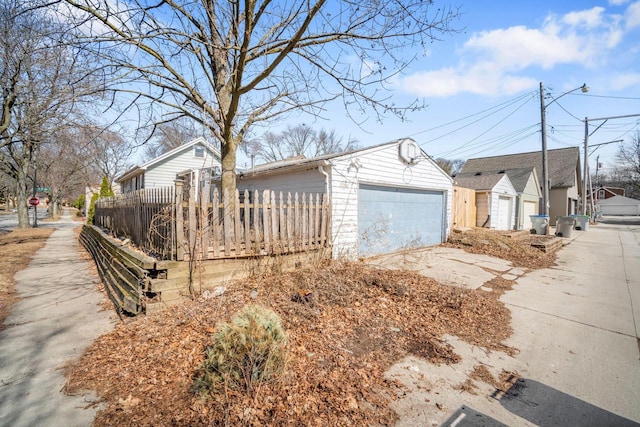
[[576, 330], [56, 319]]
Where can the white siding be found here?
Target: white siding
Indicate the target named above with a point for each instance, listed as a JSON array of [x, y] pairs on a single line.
[[377, 166], [163, 174], [304, 181], [528, 204], [504, 189]]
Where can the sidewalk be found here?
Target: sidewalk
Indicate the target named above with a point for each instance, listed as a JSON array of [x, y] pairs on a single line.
[[56, 319], [575, 326]]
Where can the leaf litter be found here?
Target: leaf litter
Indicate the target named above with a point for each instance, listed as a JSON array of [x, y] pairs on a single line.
[[347, 325]]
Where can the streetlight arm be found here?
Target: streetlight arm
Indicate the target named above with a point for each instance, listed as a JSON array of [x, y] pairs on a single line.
[[584, 88]]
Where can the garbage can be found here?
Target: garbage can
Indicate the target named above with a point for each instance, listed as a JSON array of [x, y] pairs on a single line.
[[539, 224], [564, 225], [582, 222]]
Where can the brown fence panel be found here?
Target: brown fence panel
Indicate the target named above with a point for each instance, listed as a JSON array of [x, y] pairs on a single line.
[[185, 222], [464, 207]]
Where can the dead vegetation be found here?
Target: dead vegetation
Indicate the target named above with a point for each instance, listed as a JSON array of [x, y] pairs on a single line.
[[356, 324], [346, 324], [517, 250], [17, 249]]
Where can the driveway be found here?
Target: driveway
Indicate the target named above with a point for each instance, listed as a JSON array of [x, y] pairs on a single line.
[[576, 330], [57, 318]]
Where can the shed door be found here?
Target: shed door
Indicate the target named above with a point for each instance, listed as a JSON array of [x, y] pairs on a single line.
[[528, 208], [504, 213], [390, 219]]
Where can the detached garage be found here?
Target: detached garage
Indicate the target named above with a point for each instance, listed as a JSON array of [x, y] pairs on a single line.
[[495, 199], [619, 205], [383, 198]]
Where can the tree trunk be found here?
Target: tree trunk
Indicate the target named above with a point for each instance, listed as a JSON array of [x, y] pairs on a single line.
[[22, 196], [229, 150]]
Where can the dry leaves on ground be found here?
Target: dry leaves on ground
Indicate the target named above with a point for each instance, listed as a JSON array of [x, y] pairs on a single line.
[[498, 244], [358, 322], [17, 249]]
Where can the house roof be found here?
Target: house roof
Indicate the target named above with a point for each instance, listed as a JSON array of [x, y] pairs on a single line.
[[619, 200], [138, 169], [483, 182], [301, 162], [563, 163]]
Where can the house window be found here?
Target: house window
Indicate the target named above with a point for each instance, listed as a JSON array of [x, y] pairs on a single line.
[[600, 194], [198, 151]]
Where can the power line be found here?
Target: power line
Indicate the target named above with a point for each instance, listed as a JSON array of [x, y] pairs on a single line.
[[491, 110]]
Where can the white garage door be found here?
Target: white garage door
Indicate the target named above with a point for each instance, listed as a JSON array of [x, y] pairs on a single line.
[[620, 209], [390, 219], [528, 208], [504, 213]]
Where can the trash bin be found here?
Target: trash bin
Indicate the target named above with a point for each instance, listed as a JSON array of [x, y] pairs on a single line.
[[539, 224], [582, 222], [564, 225]]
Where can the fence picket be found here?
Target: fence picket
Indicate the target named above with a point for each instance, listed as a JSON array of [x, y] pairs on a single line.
[[172, 223]]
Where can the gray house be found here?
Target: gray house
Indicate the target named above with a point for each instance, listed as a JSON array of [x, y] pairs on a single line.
[[564, 177], [193, 157], [383, 198]]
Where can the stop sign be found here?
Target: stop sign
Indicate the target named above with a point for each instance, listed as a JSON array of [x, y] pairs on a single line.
[[34, 201]]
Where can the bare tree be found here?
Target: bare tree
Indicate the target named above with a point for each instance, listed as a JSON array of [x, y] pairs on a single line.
[[170, 135], [108, 153], [230, 65], [300, 140], [628, 171], [450, 166], [43, 81]]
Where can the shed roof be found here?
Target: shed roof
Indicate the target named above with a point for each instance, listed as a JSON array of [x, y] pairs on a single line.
[[483, 182], [563, 163]]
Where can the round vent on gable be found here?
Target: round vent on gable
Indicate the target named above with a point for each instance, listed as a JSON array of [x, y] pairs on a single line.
[[408, 151]]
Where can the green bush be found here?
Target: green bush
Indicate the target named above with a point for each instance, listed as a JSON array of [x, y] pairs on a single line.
[[79, 202], [246, 353]]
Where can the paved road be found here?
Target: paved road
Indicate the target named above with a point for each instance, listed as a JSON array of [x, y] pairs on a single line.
[[9, 221], [576, 327], [55, 321]]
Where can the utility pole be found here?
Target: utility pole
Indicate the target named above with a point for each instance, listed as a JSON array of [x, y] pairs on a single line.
[[586, 166], [545, 162]]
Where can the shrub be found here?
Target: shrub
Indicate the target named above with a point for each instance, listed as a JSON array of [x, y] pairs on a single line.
[[246, 353]]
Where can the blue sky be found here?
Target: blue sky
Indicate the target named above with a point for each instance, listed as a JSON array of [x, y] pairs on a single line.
[[482, 84]]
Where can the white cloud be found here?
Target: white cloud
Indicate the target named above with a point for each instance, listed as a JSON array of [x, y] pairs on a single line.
[[491, 62], [623, 81], [618, 2], [632, 15], [591, 18], [450, 81]]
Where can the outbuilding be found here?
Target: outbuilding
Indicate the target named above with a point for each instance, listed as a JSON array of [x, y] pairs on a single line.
[[383, 198], [495, 199], [619, 205]]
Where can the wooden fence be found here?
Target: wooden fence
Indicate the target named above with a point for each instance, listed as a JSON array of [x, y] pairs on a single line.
[[146, 217], [183, 223], [464, 207]]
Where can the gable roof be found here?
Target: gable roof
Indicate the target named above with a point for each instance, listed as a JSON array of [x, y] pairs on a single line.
[[483, 182], [301, 162], [563, 163], [138, 169]]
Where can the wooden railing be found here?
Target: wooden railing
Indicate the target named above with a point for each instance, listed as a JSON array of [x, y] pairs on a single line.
[[182, 224]]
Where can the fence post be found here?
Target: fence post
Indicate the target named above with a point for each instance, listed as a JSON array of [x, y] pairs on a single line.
[[179, 233]]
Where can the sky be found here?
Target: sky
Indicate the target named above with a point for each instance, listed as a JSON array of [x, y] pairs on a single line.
[[482, 83]]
